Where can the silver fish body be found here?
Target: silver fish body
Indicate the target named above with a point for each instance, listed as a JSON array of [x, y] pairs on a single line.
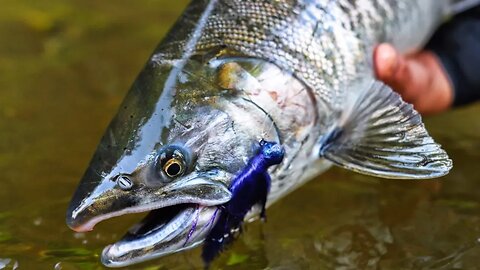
[[231, 73], [326, 45]]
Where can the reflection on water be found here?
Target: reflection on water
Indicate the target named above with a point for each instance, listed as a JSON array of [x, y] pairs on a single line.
[[65, 66]]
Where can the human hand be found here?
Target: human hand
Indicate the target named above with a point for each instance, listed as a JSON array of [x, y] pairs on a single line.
[[419, 78]]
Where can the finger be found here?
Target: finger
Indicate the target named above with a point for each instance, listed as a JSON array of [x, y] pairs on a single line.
[[410, 79], [399, 72], [385, 59], [393, 69]]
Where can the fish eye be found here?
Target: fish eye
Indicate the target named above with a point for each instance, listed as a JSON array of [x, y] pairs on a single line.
[[171, 163], [173, 167]]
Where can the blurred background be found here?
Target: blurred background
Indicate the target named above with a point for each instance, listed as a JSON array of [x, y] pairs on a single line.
[[64, 68]]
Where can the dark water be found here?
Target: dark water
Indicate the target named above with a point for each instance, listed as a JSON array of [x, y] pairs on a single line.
[[64, 68]]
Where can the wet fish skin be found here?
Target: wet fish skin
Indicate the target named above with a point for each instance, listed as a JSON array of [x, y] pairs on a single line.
[[229, 74], [325, 43]]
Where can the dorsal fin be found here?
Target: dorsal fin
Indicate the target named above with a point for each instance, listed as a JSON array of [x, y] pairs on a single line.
[[384, 136]]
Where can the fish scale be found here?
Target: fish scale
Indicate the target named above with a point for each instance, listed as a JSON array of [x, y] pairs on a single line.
[[272, 20], [325, 43]]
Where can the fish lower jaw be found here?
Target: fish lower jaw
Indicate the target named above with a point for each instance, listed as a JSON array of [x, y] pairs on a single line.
[[162, 232], [108, 262]]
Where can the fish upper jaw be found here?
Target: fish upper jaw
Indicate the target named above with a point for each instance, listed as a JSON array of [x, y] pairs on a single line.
[[107, 200], [182, 213]]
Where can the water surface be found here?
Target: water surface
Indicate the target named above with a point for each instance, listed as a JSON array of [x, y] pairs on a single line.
[[64, 68]]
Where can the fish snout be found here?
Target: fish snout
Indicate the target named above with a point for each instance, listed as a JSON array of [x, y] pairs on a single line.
[[110, 198], [96, 199]]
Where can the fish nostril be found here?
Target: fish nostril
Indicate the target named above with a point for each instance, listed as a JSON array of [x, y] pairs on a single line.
[[124, 182]]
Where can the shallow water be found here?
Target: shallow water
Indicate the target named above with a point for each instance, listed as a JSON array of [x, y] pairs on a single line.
[[66, 65]]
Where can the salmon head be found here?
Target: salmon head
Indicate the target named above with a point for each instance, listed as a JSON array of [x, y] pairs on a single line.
[[172, 150]]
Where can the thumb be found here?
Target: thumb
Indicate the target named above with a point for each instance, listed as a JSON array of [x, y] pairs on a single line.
[[385, 61]]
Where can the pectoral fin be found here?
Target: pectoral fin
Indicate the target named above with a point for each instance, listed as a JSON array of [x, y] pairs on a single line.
[[384, 136]]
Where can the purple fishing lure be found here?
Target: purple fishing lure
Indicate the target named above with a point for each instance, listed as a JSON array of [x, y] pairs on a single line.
[[249, 188]]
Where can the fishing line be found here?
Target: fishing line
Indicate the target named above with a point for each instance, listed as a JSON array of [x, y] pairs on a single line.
[[280, 140]]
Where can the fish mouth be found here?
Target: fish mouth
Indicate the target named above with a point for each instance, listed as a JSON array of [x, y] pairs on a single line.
[[180, 215], [163, 231]]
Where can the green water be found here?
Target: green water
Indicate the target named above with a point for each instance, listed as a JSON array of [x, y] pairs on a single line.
[[64, 68]]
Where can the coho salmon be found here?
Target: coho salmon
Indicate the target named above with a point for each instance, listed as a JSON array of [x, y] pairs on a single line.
[[235, 80]]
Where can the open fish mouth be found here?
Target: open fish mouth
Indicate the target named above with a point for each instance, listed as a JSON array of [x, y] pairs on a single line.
[[180, 215], [163, 231]]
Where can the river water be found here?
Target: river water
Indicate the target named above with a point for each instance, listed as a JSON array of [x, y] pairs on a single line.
[[64, 68]]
